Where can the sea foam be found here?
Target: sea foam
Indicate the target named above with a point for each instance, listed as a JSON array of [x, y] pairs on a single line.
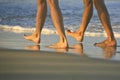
[[20, 29], [47, 31]]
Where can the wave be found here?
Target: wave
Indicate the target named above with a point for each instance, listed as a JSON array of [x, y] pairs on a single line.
[[117, 35], [47, 31], [20, 29]]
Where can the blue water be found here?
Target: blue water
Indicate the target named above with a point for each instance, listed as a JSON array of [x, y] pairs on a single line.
[[22, 13]]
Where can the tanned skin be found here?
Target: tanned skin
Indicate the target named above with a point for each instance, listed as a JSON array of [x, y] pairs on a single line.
[[104, 18], [57, 19]]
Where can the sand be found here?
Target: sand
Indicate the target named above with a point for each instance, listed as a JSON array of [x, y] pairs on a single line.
[[23, 60]]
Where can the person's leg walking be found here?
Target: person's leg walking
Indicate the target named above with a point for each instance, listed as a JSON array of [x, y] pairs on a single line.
[[87, 14], [105, 20], [57, 19], [40, 19]]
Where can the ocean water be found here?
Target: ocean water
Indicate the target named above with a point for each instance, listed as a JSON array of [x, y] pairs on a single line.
[[19, 16]]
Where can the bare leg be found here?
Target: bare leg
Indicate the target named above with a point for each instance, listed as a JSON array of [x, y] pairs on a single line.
[[58, 23], [105, 20], [88, 12], [40, 19]]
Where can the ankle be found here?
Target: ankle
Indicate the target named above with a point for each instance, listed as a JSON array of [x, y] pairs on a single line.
[[36, 34], [80, 33], [111, 39]]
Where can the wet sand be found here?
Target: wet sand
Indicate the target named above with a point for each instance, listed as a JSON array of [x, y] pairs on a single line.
[[23, 60], [44, 65]]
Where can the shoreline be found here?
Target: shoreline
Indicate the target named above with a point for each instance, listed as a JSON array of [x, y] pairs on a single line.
[[46, 65], [38, 62], [15, 41]]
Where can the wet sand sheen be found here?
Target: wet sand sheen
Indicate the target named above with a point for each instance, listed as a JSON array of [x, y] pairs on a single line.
[[38, 62], [24, 65]]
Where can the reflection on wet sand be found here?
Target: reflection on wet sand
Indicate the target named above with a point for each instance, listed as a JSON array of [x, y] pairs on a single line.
[[33, 47], [62, 50], [77, 48], [109, 51]]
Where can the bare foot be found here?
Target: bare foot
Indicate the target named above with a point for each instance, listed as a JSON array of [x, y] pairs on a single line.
[[59, 45], [106, 43], [77, 36], [34, 37]]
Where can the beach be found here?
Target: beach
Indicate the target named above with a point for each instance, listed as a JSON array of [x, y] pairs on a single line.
[[23, 60], [42, 65], [16, 41]]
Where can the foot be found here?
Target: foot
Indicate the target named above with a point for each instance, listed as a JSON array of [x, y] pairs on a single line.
[[106, 43], [59, 45], [34, 37], [76, 35]]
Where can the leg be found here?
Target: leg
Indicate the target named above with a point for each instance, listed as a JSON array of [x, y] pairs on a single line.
[[40, 19], [87, 14], [105, 20], [58, 23]]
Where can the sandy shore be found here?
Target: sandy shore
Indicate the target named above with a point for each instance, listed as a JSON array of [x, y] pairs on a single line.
[[22, 60], [43, 65], [15, 41]]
